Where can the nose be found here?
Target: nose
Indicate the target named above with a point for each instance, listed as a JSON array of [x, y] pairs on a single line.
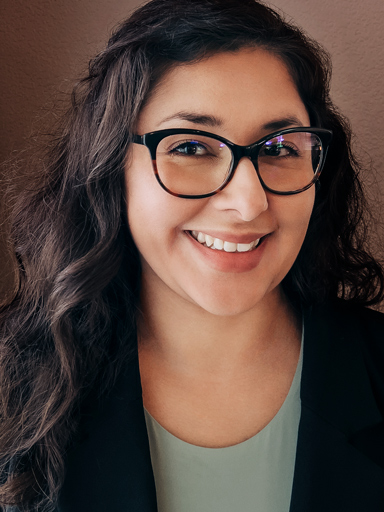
[[244, 193]]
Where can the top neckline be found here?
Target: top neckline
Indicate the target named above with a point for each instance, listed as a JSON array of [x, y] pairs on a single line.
[[293, 393]]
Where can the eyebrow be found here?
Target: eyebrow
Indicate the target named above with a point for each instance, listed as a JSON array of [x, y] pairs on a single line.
[[280, 124], [195, 118], [213, 121]]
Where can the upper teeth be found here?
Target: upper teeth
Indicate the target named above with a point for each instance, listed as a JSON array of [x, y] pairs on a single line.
[[223, 245]]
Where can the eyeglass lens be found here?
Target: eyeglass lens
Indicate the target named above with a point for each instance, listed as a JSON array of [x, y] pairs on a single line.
[[196, 165]]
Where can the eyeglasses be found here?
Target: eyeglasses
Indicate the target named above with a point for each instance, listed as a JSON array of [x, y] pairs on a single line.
[[195, 164]]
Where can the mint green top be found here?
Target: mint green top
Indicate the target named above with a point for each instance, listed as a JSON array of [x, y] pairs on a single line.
[[253, 476]]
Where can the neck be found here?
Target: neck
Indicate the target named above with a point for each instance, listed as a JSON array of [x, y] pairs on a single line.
[[185, 338]]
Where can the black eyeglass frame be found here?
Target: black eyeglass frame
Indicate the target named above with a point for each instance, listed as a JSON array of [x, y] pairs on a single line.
[[152, 139]]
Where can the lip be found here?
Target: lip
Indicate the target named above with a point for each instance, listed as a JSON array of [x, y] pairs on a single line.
[[230, 262], [235, 238]]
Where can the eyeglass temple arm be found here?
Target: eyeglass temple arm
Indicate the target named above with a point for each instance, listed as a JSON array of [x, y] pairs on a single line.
[[138, 139]]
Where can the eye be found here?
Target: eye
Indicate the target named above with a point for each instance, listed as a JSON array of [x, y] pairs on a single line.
[[278, 149], [189, 148]]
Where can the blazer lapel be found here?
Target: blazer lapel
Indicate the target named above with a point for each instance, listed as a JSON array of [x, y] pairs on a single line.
[[340, 452], [110, 467]]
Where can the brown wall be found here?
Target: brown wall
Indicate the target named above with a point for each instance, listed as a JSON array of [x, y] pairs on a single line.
[[352, 31], [46, 44]]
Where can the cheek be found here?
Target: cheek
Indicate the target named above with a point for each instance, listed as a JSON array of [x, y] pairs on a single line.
[[292, 214], [141, 206], [146, 214], [144, 195], [155, 217], [296, 217]]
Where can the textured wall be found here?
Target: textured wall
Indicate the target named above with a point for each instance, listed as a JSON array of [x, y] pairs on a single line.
[[352, 31], [46, 44]]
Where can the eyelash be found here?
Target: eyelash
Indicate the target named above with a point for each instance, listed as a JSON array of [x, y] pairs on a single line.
[[175, 149], [293, 150]]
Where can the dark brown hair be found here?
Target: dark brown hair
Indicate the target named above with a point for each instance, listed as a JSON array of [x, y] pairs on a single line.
[[69, 325]]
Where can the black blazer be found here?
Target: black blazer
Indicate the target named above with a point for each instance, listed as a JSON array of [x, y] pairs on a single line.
[[340, 451]]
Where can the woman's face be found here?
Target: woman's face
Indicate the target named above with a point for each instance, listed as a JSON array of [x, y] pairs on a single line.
[[241, 96]]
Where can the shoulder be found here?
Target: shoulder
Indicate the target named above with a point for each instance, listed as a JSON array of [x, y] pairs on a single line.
[[342, 314], [356, 325], [365, 322], [367, 327], [354, 335]]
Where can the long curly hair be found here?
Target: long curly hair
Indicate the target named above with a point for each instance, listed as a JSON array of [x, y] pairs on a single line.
[[69, 325]]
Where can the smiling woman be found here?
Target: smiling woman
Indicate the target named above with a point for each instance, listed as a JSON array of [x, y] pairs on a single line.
[[188, 330], [243, 212]]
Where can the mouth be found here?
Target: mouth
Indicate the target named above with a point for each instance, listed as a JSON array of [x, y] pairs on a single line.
[[223, 245]]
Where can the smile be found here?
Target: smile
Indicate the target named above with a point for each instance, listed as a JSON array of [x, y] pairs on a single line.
[[223, 245]]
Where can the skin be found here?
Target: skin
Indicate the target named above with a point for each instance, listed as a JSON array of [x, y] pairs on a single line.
[[219, 342]]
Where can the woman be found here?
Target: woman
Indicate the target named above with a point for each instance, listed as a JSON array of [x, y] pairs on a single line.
[[170, 256]]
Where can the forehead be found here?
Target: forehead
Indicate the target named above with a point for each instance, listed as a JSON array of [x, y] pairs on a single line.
[[241, 91]]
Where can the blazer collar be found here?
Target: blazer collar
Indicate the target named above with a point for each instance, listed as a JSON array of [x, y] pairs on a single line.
[[110, 467]]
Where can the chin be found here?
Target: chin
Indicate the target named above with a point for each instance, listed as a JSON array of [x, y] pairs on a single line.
[[230, 304]]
